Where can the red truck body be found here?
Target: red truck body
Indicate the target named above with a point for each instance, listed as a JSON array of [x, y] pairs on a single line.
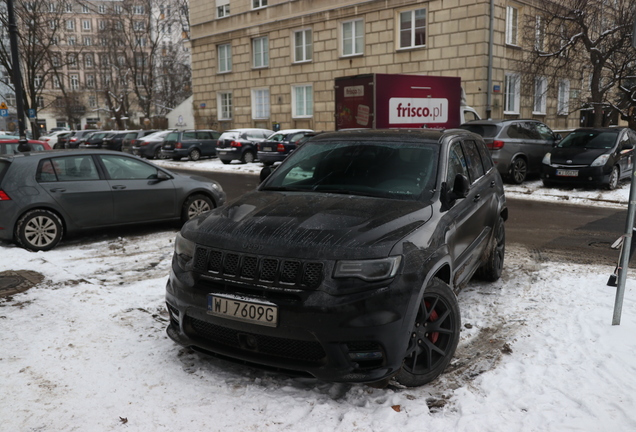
[[398, 101]]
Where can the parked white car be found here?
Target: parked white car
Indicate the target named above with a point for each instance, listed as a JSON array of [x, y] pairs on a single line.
[[51, 138]]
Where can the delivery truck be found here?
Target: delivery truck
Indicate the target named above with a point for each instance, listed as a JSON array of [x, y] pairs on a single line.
[[378, 101]]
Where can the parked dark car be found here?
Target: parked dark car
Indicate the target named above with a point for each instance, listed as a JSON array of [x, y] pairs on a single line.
[[517, 146], [345, 261], [10, 145], [192, 144], [278, 146], [240, 144], [96, 140], [591, 157], [130, 140], [149, 146], [115, 141], [78, 190], [79, 137]]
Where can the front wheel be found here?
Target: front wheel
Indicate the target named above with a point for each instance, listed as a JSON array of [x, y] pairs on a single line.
[[613, 179], [492, 268], [196, 205], [39, 230], [518, 170], [433, 338]]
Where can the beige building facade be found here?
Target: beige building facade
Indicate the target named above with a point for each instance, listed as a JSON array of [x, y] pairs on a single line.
[[260, 62]]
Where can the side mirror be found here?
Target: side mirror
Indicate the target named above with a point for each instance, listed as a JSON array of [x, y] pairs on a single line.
[[162, 176], [461, 186], [557, 137], [265, 172]]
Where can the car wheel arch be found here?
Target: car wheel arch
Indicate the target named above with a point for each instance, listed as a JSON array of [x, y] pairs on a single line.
[[36, 208]]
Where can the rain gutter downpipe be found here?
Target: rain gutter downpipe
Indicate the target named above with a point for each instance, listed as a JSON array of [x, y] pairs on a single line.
[[490, 50]]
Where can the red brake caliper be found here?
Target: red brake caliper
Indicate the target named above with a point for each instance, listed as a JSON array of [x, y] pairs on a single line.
[[434, 316]]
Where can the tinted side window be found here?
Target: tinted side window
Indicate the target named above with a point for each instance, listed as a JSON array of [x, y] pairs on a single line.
[[69, 168], [46, 172], [121, 167], [189, 135], [173, 136], [203, 135], [486, 160], [456, 164], [475, 167]]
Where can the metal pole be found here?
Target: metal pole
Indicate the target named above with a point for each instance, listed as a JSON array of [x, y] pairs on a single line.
[[623, 265], [23, 143]]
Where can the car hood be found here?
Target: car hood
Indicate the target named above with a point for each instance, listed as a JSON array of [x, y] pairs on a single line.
[[577, 156], [308, 225]]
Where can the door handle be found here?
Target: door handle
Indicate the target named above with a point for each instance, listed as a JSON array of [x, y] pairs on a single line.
[[119, 187], [477, 198], [493, 184]]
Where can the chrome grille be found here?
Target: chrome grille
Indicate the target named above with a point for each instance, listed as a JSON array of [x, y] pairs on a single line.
[[259, 269]]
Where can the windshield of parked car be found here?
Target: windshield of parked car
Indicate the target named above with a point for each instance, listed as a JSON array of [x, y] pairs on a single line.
[[486, 131], [590, 139], [388, 170]]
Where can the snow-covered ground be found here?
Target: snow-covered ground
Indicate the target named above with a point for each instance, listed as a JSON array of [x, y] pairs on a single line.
[[86, 350]]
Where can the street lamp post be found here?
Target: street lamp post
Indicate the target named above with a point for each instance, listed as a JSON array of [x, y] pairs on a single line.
[[23, 143]]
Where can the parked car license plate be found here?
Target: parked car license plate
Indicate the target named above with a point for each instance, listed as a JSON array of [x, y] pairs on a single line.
[[243, 310], [567, 173], [267, 149]]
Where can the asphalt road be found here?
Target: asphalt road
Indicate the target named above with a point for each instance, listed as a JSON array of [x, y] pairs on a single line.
[[550, 231]]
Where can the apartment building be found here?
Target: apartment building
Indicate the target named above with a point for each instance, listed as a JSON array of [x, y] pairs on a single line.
[[259, 62]]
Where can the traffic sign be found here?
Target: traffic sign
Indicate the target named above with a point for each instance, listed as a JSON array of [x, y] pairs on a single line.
[[3, 105], [32, 113], [4, 112]]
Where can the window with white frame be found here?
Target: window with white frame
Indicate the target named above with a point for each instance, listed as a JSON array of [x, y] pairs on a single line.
[[101, 9], [258, 4], [74, 81], [303, 45], [92, 101], [86, 25], [512, 17], [55, 40], [413, 28], [224, 102], [89, 60], [88, 41], [72, 61], [53, 24], [10, 99], [512, 93], [138, 9], [563, 97], [539, 39], [70, 24], [139, 26], [56, 60], [118, 9], [39, 102], [85, 9], [69, 7], [101, 24], [353, 37], [260, 52], [225, 58], [56, 82], [540, 95], [260, 103], [71, 41], [52, 7], [302, 101], [38, 81], [222, 8], [90, 80]]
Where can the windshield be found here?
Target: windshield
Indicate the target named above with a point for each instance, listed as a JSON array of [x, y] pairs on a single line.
[[591, 139], [486, 131], [396, 171]]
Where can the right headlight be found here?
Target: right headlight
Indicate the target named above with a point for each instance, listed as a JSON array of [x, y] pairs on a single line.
[[183, 250], [368, 270]]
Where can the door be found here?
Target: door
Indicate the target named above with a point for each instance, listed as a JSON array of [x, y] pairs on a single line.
[[137, 193]]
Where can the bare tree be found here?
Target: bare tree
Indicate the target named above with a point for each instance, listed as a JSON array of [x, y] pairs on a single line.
[[586, 39]]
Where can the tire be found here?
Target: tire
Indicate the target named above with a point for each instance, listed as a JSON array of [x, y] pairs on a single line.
[[176, 158], [247, 157], [613, 179], [434, 336], [491, 270], [195, 154], [39, 230], [518, 170], [194, 206], [225, 162], [157, 153]]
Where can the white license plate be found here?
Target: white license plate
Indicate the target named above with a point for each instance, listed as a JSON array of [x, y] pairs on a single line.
[[241, 310], [567, 173], [267, 149]]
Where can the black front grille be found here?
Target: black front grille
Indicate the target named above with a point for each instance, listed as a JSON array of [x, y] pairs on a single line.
[[309, 351], [258, 269]]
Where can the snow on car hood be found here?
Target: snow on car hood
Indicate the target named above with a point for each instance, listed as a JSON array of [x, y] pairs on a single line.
[[309, 225]]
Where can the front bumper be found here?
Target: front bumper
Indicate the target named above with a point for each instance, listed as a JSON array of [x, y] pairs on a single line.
[[589, 176], [357, 337]]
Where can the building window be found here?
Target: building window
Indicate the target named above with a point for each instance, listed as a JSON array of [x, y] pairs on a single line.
[[540, 95], [56, 61], [303, 49], [539, 40], [39, 102], [86, 25], [56, 82], [260, 49], [38, 81], [89, 61], [139, 26], [101, 24], [563, 100], [512, 94], [138, 10], [222, 8], [90, 81], [88, 41], [55, 40], [74, 80], [70, 41], [512, 16], [352, 38], [72, 61], [413, 28], [101, 9], [10, 99], [225, 58], [258, 4], [69, 7], [85, 9], [260, 104], [302, 101], [92, 101], [225, 106], [52, 7], [70, 24]]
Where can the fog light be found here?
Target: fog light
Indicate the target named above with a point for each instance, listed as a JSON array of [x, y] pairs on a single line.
[[371, 355]]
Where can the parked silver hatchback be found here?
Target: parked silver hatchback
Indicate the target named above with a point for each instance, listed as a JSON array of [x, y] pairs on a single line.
[[517, 146]]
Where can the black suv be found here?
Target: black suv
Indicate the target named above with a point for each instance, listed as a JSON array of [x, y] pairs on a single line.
[[345, 262], [279, 145], [192, 144], [240, 144]]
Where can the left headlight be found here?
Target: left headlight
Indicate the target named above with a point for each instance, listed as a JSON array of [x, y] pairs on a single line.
[[183, 250], [368, 270], [546, 159]]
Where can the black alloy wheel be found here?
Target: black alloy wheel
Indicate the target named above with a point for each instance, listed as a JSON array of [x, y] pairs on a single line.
[[518, 170]]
